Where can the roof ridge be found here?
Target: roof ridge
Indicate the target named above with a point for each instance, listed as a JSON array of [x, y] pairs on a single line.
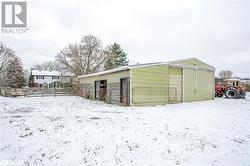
[[141, 65]]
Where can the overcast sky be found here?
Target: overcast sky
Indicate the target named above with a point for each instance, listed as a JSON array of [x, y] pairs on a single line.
[[215, 31]]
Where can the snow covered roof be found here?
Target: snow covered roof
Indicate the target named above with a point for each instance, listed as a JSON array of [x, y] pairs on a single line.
[[44, 73], [50, 73], [232, 79], [171, 63]]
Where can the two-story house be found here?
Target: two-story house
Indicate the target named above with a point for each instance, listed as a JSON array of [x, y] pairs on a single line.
[[42, 78]]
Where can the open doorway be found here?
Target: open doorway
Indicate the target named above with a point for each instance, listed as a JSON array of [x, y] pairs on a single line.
[[124, 91], [101, 90]]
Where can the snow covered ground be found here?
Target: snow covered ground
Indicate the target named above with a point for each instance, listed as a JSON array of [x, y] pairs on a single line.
[[74, 131]]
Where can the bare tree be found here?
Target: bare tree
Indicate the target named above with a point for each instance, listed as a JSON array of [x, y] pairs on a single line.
[[83, 58], [5, 55], [70, 58], [49, 65], [225, 74]]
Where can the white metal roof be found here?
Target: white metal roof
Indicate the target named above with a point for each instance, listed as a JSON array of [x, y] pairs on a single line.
[[232, 79], [171, 63], [50, 73], [44, 73]]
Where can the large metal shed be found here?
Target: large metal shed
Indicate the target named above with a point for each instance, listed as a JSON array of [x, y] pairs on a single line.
[[151, 84]]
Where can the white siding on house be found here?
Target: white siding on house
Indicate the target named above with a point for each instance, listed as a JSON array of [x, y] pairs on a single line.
[[47, 80], [48, 77]]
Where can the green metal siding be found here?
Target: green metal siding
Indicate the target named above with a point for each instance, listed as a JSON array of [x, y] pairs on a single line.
[[175, 85], [150, 85], [210, 85], [205, 85], [198, 85], [189, 85], [179, 81], [163, 84], [201, 85]]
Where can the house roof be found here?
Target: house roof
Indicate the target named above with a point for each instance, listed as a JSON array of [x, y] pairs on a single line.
[[49, 73], [175, 63], [44, 73]]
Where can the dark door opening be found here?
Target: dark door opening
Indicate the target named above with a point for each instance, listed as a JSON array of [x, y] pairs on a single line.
[[97, 88], [101, 90], [124, 91]]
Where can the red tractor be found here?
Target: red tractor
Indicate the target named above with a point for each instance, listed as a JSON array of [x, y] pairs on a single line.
[[231, 88]]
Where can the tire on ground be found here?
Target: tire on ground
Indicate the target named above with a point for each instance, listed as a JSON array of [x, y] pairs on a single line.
[[232, 93], [219, 95], [243, 94]]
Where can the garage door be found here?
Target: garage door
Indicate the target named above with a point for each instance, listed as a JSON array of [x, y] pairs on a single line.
[[197, 85], [189, 85]]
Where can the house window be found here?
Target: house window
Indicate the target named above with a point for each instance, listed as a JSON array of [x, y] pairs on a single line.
[[55, 77], [40, 77]]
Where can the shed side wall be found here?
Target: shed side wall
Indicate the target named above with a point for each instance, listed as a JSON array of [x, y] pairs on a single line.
[[175, 85], [87, 86], [150, 85]]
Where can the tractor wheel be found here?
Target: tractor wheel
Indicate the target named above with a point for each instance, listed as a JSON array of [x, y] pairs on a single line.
[[231, 93], [219, 95], [243, 95]]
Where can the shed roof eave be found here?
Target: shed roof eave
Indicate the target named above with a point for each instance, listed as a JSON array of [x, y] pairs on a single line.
[[170, 63], [191, 67], [124, 68]]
